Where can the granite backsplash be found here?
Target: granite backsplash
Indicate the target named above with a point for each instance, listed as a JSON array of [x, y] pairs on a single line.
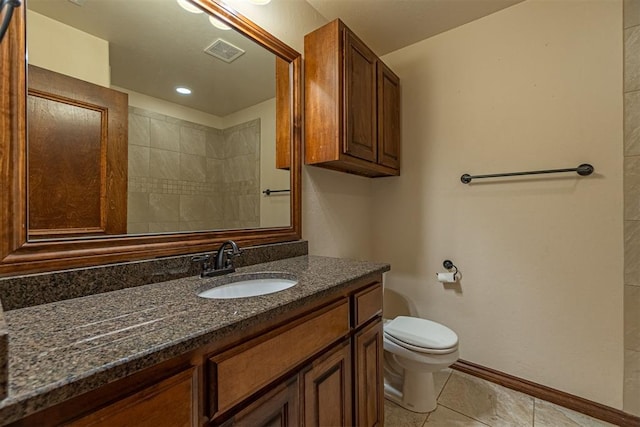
[[42, 288]]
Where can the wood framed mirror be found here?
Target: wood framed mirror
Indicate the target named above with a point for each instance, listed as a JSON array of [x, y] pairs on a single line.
[[113, 230]]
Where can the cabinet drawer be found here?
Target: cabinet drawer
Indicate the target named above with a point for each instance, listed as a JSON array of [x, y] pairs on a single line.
[[238, 373], [367, 304]]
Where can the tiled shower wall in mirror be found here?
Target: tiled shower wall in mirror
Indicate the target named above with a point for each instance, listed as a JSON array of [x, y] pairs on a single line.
[[632, 206], [185, 176]]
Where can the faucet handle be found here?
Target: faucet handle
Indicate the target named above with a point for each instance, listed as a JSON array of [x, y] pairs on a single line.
[[230, 255], [239, 252], [200, 258], [204, 259]]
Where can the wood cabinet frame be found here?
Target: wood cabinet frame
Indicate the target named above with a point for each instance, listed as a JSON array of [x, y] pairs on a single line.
[[19, 255], [335, 89]]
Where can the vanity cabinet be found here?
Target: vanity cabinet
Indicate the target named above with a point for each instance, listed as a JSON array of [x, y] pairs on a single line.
[[352, 105], [317, 365]]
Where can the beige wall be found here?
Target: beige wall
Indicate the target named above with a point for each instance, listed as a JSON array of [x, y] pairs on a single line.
[[534, 86], [84, 56], [337, 216], [632, 206]]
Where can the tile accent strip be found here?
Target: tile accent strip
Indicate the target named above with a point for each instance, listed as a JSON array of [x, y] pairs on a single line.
[[570, 401]]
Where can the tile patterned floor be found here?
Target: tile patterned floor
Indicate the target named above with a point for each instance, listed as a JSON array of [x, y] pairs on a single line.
[[464, 400]]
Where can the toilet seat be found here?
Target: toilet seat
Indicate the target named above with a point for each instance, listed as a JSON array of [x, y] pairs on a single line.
[[421, 335]]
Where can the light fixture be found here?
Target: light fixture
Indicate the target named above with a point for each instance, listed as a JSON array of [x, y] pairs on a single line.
[[183, 90], [218, 23], [260, 2], [189, 7]]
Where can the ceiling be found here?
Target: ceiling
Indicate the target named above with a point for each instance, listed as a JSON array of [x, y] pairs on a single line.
[[154, 49], [388, 25]]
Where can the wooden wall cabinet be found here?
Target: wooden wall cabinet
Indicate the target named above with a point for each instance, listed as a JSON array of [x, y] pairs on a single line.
[[318, 366], [352, 105]]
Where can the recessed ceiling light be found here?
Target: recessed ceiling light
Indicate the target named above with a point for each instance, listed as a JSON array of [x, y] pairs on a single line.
[[183, 90], [218, 23], [260, 2], [189, 7]]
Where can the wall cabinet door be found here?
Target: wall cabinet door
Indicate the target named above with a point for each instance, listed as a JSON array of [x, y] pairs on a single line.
[[278, 408], [326, 388], [360, 99], [283, 114], [388, 117], [369, 382]]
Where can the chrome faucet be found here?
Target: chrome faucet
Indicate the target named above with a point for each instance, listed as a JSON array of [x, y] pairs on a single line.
[[223, 261]]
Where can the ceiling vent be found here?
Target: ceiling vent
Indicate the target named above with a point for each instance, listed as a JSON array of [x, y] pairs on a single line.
[[224, 50]]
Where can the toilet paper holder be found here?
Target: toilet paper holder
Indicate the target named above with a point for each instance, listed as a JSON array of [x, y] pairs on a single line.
[[448, 264]]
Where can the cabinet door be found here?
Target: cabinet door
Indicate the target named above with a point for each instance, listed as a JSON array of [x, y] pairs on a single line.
[[283, 115], [360, 99], [278, 408], [369, 382], [388, 117], [169, 403], [77, 157], [326, 387]]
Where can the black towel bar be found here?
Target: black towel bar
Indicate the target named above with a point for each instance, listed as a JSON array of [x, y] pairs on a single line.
[[268, 192], [582, 170]]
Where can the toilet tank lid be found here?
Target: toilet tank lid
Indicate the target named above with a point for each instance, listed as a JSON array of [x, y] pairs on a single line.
[[421, 332]]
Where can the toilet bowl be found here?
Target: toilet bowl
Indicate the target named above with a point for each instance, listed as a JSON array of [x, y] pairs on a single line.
[[414, 349]]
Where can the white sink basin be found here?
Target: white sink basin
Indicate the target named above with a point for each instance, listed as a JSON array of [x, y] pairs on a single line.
[[249, 285]]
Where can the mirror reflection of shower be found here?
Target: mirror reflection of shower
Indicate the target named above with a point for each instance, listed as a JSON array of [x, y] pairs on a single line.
[[199, 122]]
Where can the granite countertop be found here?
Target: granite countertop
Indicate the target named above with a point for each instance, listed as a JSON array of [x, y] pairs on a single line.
[[62, 349]]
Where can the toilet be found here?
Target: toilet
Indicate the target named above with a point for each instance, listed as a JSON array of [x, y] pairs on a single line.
[[414, 349]]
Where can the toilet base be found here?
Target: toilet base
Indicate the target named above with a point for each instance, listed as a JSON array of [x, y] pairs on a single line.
[[416, 392]]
